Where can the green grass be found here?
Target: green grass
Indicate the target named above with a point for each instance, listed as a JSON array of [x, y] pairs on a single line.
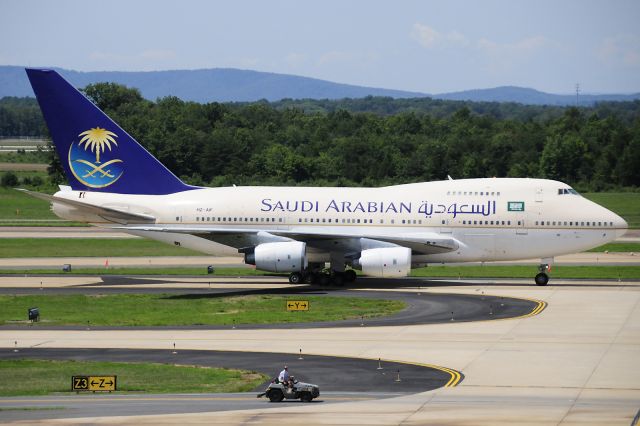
[[617, 248], [39, 377], [523, 271], [15, 205], [625, 204], [175, 310], [41, 157], [88, 247]]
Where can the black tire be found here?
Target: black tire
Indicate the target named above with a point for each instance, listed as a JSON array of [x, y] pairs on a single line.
[[542, 279], [295, 278], [324, 279], [338, 279], [275, 395], [350, 276], [306, 397]]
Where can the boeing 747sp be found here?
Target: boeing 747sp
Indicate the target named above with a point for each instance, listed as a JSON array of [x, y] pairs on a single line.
[[114, 182]]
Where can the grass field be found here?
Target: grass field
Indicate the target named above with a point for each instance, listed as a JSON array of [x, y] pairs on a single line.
[[625, 204], [16, 206], [523, 271], [39, 377], [176, 310], [88, 247], [618, 248]]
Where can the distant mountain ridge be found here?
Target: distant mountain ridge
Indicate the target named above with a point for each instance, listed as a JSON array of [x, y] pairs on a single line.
[[531, 96], [234, 85]]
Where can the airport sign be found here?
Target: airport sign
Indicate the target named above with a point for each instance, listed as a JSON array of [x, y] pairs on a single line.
[[297, 305], [93, 383]]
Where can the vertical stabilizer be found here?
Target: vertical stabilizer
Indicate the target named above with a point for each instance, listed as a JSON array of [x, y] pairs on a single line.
[[97, 155]]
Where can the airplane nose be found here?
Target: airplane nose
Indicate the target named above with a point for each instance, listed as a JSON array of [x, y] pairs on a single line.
[[620, 225]]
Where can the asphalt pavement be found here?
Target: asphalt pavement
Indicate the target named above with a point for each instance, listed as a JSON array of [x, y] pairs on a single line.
[[339, 378]]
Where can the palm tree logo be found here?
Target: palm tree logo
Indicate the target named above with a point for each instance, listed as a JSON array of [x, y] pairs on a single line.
[[99, 174], [97, 139]]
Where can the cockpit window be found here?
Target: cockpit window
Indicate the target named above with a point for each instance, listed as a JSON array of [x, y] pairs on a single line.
[[564, 191]]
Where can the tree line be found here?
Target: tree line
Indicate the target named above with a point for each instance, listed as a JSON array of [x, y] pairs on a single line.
[[372, 141]]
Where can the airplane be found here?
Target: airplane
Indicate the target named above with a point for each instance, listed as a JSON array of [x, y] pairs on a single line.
[[384, 232]]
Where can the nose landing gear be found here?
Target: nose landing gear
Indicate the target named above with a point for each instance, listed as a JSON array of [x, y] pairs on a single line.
[[542, 278]]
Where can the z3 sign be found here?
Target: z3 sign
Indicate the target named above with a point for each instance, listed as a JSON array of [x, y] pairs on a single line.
[[93, 383]]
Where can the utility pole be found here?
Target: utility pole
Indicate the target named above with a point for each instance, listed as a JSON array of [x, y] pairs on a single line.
[[577, 95]]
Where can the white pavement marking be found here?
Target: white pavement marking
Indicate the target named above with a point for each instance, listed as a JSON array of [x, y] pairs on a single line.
[[576, 362]]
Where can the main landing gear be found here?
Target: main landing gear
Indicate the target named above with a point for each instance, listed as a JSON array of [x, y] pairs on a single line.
[[323, 277], [542, 278]]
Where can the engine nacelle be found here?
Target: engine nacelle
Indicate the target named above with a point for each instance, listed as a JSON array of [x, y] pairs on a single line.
[[288, 256], [388, 262]]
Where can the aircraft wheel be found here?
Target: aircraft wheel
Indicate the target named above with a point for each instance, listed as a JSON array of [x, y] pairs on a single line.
[[350, 276], [542, 279], [324, 279], [295, 278], [338, 279]]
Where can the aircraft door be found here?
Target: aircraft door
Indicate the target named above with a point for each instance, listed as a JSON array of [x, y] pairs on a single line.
[[539, 196], [520, 223], [445, 227], [177, 215]]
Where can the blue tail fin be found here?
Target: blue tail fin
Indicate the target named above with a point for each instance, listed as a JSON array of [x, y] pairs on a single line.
[[97, 155]]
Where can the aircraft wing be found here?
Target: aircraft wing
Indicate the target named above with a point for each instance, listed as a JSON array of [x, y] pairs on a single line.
[[107, 213], [419, 242]]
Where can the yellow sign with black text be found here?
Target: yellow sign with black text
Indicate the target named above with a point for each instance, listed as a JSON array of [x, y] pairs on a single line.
[[93, 383], [297, 305]]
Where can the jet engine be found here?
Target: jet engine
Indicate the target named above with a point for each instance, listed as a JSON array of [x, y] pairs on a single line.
[[388, 262], [288, 256]]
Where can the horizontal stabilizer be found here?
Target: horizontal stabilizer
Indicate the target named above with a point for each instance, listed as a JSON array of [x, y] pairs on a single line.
[[107, 213]]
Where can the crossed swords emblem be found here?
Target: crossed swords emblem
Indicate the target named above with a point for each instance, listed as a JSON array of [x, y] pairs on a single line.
[[99, 169]]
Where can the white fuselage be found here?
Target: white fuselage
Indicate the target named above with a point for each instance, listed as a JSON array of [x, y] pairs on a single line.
[[492, 219]]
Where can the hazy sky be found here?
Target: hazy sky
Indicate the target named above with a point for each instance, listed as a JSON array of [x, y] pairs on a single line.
[[425, 46]]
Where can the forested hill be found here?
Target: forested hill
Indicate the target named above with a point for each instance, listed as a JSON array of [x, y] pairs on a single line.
[[222, 144], [234, 85], [205, 85]]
